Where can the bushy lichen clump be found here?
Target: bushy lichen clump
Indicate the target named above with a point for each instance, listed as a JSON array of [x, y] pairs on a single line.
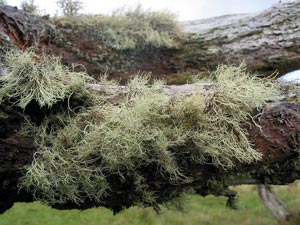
[[77, 156], [31, 77], [126, 29], [80, 156], [214, 119]]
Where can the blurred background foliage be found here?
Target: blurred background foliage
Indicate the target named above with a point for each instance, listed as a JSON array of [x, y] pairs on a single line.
[[198, 210]]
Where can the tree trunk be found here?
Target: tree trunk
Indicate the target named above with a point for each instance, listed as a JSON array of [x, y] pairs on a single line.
[[267, 42]]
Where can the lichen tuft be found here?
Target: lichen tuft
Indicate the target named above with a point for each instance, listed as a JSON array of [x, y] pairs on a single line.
[[43, 79], [81, 157]]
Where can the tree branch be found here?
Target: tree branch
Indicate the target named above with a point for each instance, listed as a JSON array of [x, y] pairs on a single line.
[[275, 134], [267, 42]]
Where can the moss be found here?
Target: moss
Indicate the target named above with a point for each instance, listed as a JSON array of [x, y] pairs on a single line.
[[77, 157]]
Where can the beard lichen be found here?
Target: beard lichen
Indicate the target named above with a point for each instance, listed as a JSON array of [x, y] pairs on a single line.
[[29, 77], [220, 138], [81, 156]]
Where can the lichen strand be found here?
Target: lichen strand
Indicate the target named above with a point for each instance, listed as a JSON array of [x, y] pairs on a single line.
[[43, 79], [89, 157]]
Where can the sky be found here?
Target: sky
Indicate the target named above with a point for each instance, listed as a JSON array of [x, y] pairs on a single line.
[[184, 9]]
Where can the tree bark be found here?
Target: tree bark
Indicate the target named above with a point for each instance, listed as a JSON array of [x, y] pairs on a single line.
[[277, 139], [267, 42], [279, 210]]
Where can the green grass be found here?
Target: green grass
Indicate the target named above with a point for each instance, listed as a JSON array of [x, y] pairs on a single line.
[[204, 211]]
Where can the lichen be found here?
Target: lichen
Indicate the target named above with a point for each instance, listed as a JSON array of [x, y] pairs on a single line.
[[126, 28], [119, 42], [43, 79], [77, 157], [235, 95]]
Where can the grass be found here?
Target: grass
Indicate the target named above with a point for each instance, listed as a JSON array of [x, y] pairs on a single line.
[[204, 211]]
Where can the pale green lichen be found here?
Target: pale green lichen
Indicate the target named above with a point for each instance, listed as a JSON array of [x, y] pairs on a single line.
[[74, 162], [220, 138], [43, 79]]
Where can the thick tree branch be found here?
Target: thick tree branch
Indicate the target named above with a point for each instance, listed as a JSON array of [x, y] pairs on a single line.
[[277, 139], [267, 42]]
